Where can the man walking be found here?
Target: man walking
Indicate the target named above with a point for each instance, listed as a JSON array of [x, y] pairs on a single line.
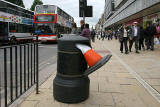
[[93, 35], [134, 37], [150, 32]]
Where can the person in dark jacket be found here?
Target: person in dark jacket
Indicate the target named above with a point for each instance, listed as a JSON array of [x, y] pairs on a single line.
[[93, 33], [103, 35], [150, 32], [86, 32], [141, 39], [134, 37]]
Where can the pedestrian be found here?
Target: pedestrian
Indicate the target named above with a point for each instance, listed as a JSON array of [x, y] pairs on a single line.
[[86, 32], [141, 39], [150, 32], [109, 34], [103, 35], [93, 35], [134, 37], [116, 33], [82, 23], [124, 39], [158, 30], [74, 28], [106, 34]]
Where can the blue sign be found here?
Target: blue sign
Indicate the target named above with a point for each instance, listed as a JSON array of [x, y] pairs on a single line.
[[26, 21], [68, 24], [37, 32]]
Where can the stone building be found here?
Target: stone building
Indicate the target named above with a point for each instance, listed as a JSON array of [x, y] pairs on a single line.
[[117, 12]]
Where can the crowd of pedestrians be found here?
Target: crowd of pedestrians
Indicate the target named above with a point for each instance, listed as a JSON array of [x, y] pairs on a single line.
[[143, 39], [109, 34], [133, 34]]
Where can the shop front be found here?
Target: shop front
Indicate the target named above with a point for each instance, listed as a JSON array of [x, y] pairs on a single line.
[[153, 18], [138, 20]]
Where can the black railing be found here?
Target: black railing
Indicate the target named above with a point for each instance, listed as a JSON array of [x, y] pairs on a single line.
[[18, 71]]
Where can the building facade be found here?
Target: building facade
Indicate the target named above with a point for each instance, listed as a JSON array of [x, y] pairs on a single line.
[[99, 25], [119, 3], [128, 11], [109, 9]]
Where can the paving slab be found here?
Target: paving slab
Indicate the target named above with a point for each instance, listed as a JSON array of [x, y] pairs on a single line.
[[112, 85]]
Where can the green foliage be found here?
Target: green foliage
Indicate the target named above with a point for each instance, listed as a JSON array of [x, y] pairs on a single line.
[[36, 2], [17, 2]]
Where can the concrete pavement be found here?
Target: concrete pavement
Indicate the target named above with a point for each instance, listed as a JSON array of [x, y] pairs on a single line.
[[119, 83]]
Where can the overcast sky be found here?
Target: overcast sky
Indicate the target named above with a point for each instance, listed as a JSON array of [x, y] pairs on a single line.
[[72, 8]]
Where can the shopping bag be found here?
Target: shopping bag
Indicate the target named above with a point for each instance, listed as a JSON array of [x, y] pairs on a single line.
[[156, 41]]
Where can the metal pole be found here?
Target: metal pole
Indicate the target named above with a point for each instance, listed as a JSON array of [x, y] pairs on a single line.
[[5, 76], [37, 67], [11, 75], [84, 15]]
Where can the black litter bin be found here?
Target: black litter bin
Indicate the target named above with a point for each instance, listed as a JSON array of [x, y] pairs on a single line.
[[71, 84]]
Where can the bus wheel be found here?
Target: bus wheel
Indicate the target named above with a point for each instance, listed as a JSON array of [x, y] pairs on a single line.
[[13, 40]]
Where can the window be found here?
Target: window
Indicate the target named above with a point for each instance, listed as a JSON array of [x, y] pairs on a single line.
[[45, 28], [44, 18], [19, 28]]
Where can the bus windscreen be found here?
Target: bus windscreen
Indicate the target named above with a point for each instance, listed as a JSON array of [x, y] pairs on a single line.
[[44, 18]]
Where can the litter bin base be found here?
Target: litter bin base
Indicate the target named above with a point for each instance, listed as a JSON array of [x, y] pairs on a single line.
[[71, 90]]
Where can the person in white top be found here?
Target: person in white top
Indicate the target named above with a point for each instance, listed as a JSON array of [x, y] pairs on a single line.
[[124, 39]]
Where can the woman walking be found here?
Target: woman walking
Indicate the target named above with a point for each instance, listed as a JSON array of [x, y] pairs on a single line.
[[124, 39]]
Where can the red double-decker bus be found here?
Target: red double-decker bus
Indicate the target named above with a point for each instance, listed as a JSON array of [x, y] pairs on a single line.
[[50, 21]]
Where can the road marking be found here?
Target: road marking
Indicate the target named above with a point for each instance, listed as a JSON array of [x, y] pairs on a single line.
[[148, 87]]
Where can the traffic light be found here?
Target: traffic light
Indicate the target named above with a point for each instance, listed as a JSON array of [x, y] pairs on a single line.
[[82, 7], [89, 11]]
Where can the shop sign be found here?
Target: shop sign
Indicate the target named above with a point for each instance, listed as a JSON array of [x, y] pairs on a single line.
[[15, 19], [152, 17], [10, 18], [26, 21], [3, 17]]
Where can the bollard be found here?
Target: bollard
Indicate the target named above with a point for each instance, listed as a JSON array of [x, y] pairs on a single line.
[[71, 84]]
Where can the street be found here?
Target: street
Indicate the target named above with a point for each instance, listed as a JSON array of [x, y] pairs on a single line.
[[47, 57]]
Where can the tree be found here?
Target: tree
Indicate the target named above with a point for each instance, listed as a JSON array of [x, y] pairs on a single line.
[[36, 2], [17, 2]]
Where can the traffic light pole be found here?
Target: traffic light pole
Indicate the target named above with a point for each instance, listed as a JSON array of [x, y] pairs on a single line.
[[84, 16]]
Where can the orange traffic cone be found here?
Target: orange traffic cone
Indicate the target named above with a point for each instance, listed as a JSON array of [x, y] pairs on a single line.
[[90, 55]]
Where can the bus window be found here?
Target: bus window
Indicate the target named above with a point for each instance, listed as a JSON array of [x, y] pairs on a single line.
[[46, 28], [44, 18], [12, 27]]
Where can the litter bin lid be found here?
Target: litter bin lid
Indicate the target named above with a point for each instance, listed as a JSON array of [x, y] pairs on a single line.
[[68, 42]]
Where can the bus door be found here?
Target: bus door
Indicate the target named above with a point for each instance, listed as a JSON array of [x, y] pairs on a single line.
[[3, 31]]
